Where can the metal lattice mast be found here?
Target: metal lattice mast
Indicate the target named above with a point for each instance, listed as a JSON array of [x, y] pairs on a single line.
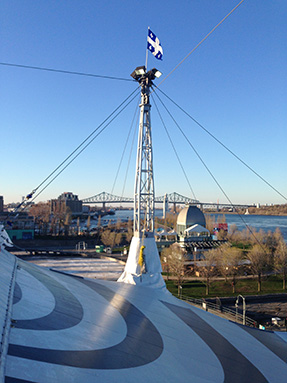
[[143, 265], [144, 183]]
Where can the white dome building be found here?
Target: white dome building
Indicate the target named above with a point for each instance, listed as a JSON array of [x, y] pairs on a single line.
[[188, 217]]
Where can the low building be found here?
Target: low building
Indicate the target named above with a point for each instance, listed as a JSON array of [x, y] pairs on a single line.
[[191, 223], [18, 225], [192, 232], [67, 200]]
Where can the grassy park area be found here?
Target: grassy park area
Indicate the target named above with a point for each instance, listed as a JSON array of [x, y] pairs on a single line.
[[219, 288]]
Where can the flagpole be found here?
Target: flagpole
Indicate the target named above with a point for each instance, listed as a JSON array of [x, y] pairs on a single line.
[[146, 56]]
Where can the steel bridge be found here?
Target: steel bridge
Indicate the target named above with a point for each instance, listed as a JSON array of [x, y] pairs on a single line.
[[172, 198]]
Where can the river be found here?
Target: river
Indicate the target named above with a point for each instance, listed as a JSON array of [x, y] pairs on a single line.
[[264, 222]]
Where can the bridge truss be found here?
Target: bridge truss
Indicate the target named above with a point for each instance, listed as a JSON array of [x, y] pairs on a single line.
[[172, 198]]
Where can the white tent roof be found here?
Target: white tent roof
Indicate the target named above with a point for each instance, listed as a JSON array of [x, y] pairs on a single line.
[[196, 229], [163, 233], [121, 333]]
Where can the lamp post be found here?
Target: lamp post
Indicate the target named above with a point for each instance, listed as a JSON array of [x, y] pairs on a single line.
[[244, 307], [194, 258], [180, 292]]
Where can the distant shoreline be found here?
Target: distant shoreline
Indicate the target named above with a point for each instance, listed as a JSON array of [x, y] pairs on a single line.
[[241, 213], [274, 210]]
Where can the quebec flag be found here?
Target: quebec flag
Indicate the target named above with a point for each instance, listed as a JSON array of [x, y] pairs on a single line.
[[153, 45]]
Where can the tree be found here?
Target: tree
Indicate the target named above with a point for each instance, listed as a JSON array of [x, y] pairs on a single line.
[[41, 213], [233, 229], [169, 222], [111, 238], [256, 237], [236, 236], [278, 234], [228, 262], [78, 225], [117, 238], [259, 257], [207, 267], [130, 224], [209, 222], [88, 224], [108, 238], [222, 260], [129, 235], [119, 224], [280, 260], [173, 258], [222, 235], [68, 220], [59, 213]]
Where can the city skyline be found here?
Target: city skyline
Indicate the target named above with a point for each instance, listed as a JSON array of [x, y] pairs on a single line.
[[234, 85]]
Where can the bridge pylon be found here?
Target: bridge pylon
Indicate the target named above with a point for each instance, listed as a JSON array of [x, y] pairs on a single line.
[[165, 206]]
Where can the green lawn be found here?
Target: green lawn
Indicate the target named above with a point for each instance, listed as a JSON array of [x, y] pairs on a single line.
[[196, 289]]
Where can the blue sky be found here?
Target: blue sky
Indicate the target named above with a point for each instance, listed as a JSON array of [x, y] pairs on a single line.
[[234, 84]]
